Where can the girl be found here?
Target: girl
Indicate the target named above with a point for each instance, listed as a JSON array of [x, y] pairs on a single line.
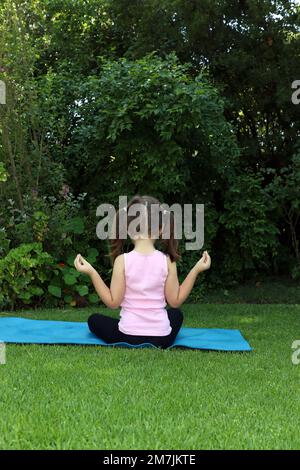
[[143, 281]]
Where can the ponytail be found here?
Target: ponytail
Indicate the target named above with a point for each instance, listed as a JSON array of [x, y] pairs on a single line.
[[170, 246], [116, 244]]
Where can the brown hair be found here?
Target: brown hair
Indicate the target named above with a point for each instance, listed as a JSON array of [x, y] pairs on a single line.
[[168, 245]]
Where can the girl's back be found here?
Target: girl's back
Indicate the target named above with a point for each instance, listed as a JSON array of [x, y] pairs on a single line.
[[144, 280], [143, 310]]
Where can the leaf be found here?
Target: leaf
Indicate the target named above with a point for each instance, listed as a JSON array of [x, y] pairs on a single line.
[[75, 225], [36, 291], [70, 259], [92, 254], [55, 290], [70, 279], [71, 272], [25, 296], [93, 298], [82, 290]]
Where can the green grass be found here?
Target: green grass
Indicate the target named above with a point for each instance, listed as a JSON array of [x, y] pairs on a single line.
[[86, 397], [269, 290]]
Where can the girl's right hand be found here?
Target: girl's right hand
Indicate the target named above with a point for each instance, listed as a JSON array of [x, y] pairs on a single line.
[[83, 266], [203, 263]]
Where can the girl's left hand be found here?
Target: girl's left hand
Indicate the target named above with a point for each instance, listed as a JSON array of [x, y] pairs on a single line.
[[203, 263], [83, 266]]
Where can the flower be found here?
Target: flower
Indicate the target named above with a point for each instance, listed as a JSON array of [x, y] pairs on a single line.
[[34, 193], [64, 190]]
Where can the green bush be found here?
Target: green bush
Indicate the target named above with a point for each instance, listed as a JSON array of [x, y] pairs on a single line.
[[23, 272], [68, 286], [247, 226], [284, 190], [57, 222], [148, 124]]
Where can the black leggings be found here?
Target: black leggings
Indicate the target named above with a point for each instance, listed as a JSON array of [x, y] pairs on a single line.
[[106, 328]]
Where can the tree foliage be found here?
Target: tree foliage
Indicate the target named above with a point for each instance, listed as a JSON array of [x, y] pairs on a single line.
[[188, 101]]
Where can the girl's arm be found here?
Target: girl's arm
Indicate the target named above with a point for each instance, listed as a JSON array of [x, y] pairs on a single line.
[[176, 294], [113, 296]]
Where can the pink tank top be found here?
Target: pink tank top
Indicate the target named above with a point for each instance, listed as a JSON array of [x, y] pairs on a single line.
[[143, 310]]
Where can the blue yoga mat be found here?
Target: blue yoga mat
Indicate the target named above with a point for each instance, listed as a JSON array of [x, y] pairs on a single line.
[[22, 330]]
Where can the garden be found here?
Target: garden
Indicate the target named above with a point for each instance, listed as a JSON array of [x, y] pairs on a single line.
[[192, 103]]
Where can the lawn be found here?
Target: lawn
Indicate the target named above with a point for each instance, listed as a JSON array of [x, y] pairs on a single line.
[[90, 397]]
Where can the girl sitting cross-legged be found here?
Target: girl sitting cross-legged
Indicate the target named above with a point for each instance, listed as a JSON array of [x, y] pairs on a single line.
[[144, 280]]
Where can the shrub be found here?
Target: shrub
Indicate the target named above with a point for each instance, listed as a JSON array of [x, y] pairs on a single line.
[[69, 286], [23, 271]]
